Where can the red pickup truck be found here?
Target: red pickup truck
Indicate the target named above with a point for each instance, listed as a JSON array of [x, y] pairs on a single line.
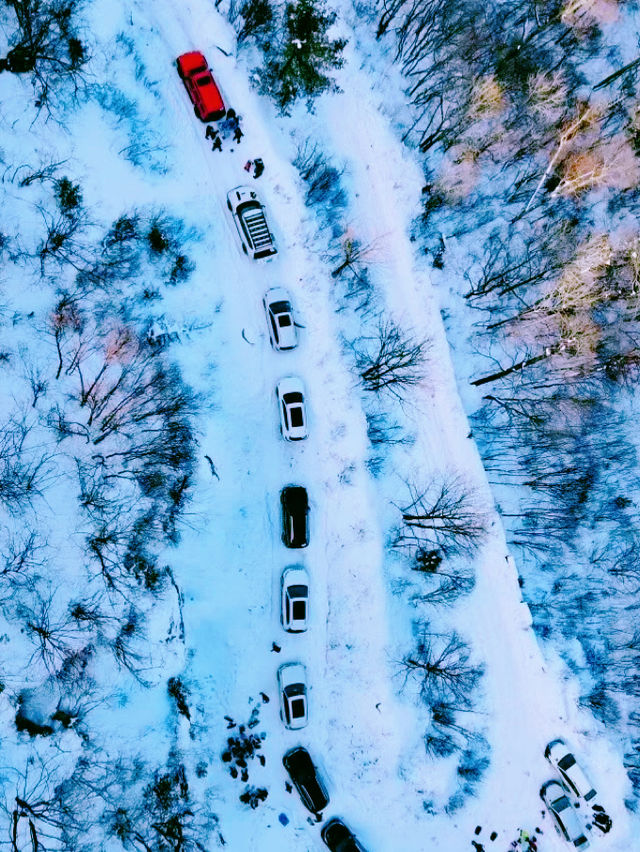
[[199, 83]]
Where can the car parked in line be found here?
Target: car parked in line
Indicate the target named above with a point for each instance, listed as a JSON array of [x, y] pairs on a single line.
[[295, 599], [279, 313], [295, 516], [293, 415], [205, 95], [565, 816], [338, 838], [559, 756], [251, 223], [292, 687], [306, 779]]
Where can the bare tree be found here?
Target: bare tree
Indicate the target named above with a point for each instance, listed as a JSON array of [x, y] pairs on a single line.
[[22, 555], [391, 360], [45, 43], [54, 636], [442, 668], [354, 256], [447, 514], [25, 469]]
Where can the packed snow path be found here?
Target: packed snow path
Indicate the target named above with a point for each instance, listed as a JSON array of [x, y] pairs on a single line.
[[367, 742]]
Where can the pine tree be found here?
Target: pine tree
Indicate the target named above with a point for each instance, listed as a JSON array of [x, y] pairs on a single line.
[[299, 66]]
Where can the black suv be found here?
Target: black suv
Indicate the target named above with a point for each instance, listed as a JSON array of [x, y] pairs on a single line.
[[338, 837], [306, 780], [295, 512]]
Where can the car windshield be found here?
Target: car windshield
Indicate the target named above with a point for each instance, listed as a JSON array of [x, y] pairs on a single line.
[[566, 762], [298, 591], [297, 418], [293, 397], [280, 307], [296, 497], [297, 708], [299, 610]]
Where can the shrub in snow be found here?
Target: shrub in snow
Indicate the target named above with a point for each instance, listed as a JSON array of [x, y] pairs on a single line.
[[439, 745], [446, 583], [383, 431], [163, 815], [323, 180], [180, 694]]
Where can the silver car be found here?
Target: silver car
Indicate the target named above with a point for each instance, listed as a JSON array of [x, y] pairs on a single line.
[[559, 756], [567, 821], [280, 322]]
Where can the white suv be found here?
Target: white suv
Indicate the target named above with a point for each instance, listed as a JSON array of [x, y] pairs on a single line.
[[292, 686], [293, 417], [251, 223], [295, 599]]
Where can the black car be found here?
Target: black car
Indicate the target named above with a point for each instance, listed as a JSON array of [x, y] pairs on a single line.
[[306, 780], [338, 837], [295, 512]]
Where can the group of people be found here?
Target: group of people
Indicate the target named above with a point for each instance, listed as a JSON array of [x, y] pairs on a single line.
[[229, 124]]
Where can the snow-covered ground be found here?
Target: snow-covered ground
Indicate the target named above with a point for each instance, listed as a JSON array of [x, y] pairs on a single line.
[[365, 733]]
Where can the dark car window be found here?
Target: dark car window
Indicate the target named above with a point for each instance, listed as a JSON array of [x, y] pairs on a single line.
[[299, 609], [284, 414], [296, 416], [566, 762], [204, 81], [284, 320], [297, 708], [293, 397], [298, 591]]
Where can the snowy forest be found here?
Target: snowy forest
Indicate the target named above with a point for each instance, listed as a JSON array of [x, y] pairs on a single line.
[[453, 195]]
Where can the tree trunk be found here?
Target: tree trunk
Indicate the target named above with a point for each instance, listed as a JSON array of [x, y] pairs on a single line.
[[514, 368]]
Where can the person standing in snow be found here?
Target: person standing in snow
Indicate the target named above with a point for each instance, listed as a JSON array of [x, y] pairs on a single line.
[[217, 144], [210, 132], [237, 134]]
